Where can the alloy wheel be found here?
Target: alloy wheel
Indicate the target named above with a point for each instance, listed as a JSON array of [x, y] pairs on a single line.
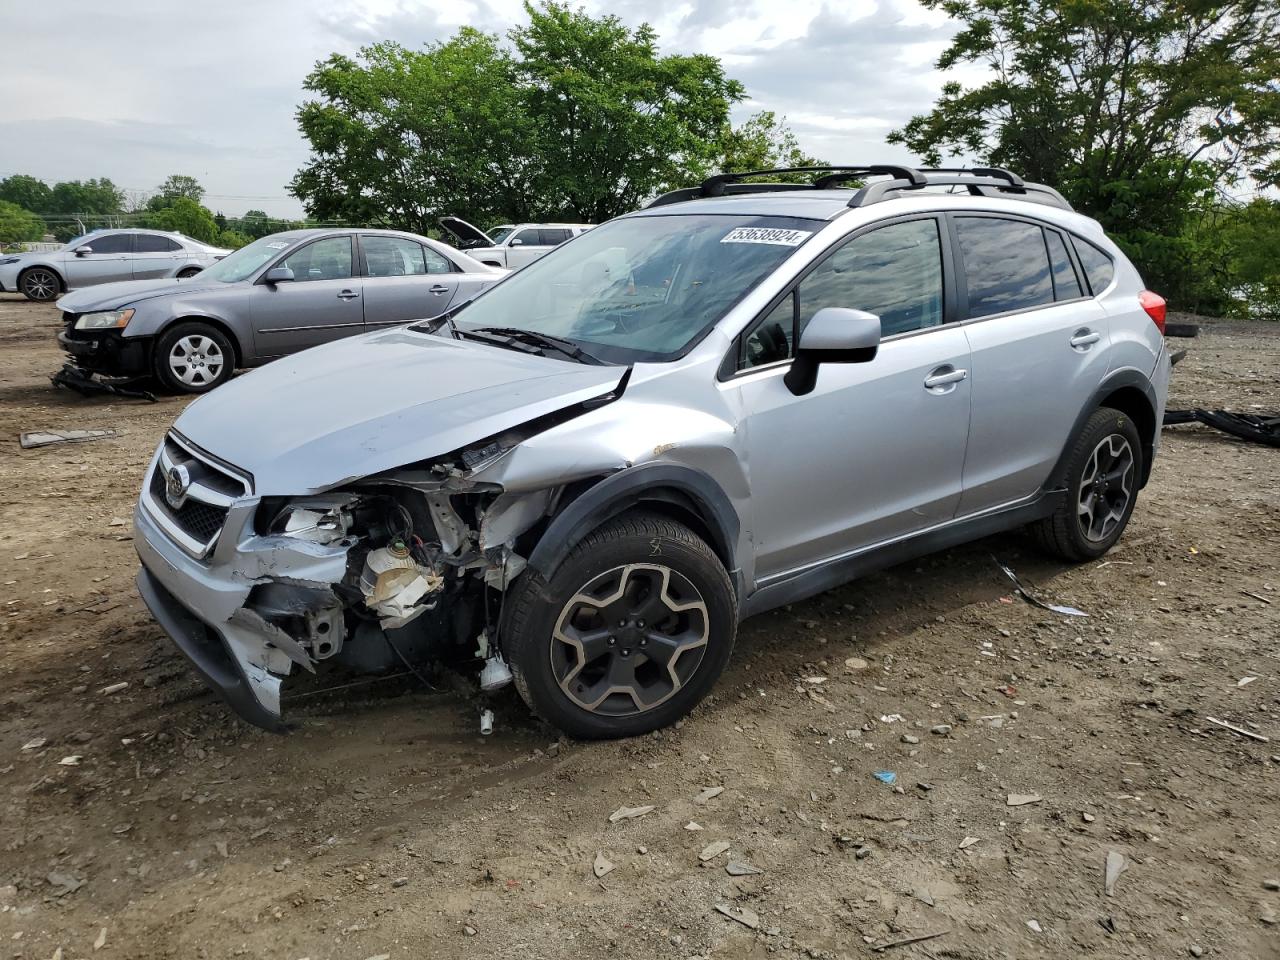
[[196, 360], [40, 284], [629, 639], [1106, 487]]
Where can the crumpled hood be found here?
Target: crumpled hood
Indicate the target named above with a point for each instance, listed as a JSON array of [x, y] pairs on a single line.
[[112, 296], [363, 405]]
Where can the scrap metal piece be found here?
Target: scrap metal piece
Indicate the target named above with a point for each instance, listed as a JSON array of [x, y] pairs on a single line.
[[1256, 428], [82, 382], [45, 438]]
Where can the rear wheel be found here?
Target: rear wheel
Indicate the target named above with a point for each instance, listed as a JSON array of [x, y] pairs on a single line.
[[627, 635], [1103, 472], [40, 284], [193, 358]]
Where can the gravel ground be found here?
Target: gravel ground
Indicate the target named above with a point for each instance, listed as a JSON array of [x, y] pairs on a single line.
[[386, 826]]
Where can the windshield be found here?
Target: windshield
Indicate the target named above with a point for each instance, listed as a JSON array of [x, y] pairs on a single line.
[[641, 288], [243, 263], [498, 234]]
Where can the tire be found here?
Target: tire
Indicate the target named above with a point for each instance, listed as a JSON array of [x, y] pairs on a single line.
[[188, 273], [1103, 471], [213, 358], [569, 648], [40, 284]]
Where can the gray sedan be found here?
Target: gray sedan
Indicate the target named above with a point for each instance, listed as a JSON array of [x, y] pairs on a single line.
[[106, 256], [278, 295]]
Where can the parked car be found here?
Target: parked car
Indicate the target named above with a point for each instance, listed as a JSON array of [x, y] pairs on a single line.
[[723, 403], [278, 295], [511, 245], [106, 256]]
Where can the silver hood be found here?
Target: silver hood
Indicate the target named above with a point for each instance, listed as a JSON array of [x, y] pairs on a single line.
[[112, 296], [360, 406]]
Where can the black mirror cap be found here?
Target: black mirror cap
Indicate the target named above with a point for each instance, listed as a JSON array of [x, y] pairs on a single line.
[[803, 375]]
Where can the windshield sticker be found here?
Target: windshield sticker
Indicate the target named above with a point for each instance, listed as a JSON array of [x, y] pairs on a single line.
[[773, 235], [277, 245]]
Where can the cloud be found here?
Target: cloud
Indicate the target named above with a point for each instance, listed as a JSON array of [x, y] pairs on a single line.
[[141, 90]]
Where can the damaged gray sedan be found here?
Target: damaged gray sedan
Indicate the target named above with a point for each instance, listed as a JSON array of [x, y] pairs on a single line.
[[584, 478]]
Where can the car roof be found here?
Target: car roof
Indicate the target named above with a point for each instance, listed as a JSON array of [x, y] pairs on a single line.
[[828, 204]]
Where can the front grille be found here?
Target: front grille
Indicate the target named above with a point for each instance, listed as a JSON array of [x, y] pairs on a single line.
[[200, 521]]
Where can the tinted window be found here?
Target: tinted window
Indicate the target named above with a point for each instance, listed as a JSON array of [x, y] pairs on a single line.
[[550, 238], [149, 243], [110, 243], [1066, 285], [527, 237], [1097, 265], [328, 259], [770, 339], [393, 257], [894, 272], [1005, 264]]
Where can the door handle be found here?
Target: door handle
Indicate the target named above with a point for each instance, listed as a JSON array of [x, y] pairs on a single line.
[[348, 295], [944, 376], [438, 289], [1085, 338]]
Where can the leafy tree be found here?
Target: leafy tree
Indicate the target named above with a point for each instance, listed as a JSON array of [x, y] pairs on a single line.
[[1136, 109], [185, 216], [762, 142], [27, 192], [578, 118], [98, 197], [232, 239], [18, 225]]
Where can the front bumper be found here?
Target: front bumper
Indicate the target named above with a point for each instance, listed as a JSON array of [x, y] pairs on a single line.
[[109, 353], [200, 601]]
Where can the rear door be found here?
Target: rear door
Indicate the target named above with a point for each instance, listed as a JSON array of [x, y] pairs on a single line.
[[1039, 352], [156, 256], [111, 259], [404, 280], [322, 302]]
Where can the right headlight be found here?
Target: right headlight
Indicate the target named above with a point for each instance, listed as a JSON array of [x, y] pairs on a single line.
[[106, 320]]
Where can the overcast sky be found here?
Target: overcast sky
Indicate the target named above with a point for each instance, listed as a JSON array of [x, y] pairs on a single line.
[[136, 90]]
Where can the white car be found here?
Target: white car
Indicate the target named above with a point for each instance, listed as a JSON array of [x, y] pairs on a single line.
[[511, 245], [106, 256]]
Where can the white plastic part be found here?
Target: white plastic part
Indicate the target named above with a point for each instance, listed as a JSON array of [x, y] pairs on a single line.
[[486, 723], [394, 585], [495, 675]]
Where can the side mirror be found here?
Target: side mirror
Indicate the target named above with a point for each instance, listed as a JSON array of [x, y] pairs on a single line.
[[834, 335], [83, 251], [278, 275], [517, 242]]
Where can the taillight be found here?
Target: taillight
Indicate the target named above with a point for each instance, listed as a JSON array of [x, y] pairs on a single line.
[[1154, 304]]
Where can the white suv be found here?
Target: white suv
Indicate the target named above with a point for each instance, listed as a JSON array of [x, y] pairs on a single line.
[[511, 245]]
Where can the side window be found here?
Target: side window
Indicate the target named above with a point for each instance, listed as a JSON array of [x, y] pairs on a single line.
[[1066, 285], [770, 339], [110, 243], [437, 263], [1006, 265], [1097, 265], [894, 272], [392, 257], [529, 238], [150, 243], [328, 259], [550, 238]]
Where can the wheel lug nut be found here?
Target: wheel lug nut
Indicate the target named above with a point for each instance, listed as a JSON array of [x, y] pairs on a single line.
[[612, 641], [639, 623]]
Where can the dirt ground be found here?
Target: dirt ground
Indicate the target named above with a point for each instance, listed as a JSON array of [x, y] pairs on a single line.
[[386, 826]]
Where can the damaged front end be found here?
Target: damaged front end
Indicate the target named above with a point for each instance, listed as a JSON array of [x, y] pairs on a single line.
[[382, 573]]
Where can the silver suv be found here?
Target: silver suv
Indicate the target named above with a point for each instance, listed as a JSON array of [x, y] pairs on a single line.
[[737, 398], [511, 245]]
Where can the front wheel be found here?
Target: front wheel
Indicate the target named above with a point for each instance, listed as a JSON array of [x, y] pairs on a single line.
[[40, 284], [1104, 469], [193, 358], [627, 635], [188, 273]]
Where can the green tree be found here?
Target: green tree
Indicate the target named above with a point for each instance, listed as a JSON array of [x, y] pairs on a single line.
[[185, 216], [1136, 109], [94, 198], [232, 239], [18, 225], [27, 192], [578, 118], [762, 142]]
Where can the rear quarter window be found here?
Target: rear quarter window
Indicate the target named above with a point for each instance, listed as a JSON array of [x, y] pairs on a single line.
[[1099, 268]]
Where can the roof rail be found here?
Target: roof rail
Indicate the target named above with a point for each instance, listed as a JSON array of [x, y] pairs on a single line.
[[979, 181]]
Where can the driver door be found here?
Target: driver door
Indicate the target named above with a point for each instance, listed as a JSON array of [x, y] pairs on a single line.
[[322, 302], [111, 259], [876, 451]]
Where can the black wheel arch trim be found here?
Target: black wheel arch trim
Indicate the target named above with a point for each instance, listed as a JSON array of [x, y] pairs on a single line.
[[1124, 378], [664, 483]]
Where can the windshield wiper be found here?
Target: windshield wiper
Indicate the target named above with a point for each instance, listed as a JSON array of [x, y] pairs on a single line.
[[532, 337]]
